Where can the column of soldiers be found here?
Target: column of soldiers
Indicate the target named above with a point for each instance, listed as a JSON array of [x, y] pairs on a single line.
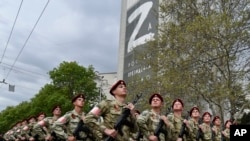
[[99, 123]]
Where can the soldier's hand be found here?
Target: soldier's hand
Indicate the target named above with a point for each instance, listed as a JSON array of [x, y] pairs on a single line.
[[153, 138], [130, 106], [71, 138], [179, 139], [110, 132], [165, 119]]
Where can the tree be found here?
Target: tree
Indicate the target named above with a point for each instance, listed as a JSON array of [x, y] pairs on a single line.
[[71, 78], [201, 53], [68, 79]]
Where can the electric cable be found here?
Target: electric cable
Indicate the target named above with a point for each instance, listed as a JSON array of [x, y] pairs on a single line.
[[11, 31]]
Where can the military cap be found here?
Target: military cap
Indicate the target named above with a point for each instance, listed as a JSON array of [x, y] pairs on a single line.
[[216, 117], [206, 113], [42, 113], [31, 118], [194, 108], [177, 100], [77, 96], [114, 86], [228, 121], [56, 106], [155, 95]]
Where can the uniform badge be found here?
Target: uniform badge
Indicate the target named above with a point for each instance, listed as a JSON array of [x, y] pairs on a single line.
[[73, 116]]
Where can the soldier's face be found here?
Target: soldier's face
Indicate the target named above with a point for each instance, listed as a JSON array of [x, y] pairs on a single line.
[[228, 124], [57, 111], [156, 102], [41, 117], [217, 122], [121, 89], [177, 106], [206, 118], [195, 113], [79, 102]]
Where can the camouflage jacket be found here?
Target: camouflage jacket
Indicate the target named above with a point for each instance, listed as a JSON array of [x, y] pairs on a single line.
[[175, 126], [66, 125], [110, 111], [148, 122], [192, 130], [217, 133], [207, 132], [227, 134]]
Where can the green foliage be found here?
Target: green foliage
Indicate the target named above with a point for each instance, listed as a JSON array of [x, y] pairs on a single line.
[[201, 54], [68, 79]]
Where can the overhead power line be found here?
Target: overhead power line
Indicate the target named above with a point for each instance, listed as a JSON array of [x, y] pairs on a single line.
[[27, 39], [11, 31]]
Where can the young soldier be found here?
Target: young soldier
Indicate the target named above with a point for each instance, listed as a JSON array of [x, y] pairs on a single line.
[[175, 119], [65, 126], [148, 120], [23, 132], [34, 134], [43, 127], [216, 128], [205, 127], [192, 124], [110, 111], [226, 132], [28, 129]]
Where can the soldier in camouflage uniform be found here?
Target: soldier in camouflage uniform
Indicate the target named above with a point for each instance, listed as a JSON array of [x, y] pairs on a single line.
[[34, 134], [17, 130], [226, 132], [43, 127], [175, 119], [65, 126], [206, 127], [192, 125], [24, 123], [110, 111], [28, 128], [216, 129], [148, 120]]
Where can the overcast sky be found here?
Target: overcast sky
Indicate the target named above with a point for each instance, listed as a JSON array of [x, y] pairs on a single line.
[[85, 31]]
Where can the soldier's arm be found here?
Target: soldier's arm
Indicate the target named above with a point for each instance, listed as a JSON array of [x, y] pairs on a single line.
[[142, 122], [58, 126], [91, 119]]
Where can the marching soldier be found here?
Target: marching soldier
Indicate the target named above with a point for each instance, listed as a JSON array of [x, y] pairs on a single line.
[[148, 120], [34, 134], [205, 127], [192, 125], [24, 124], [175, 119], [43, 127], [226, 132], [65, 126], [110, 111], [216, 129]]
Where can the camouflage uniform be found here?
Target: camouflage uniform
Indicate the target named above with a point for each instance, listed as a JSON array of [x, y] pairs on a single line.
[[148, 122], [207, 132], [66, 125], [192, 130], [45, 130], [227, 134], [110, 110], [217, 133], [175, 126]]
